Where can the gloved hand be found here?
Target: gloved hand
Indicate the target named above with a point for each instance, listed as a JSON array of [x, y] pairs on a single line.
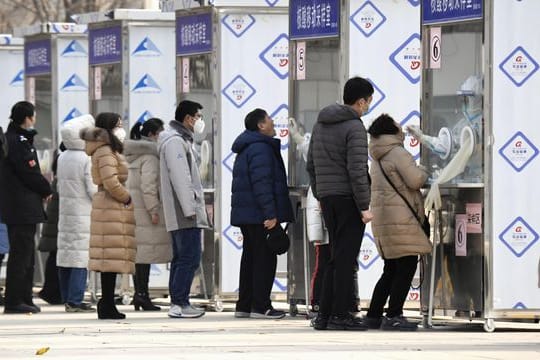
[[297, 137], [415, 131]]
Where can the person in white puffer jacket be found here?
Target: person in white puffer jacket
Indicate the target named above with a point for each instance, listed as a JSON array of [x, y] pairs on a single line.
[[75, 189]]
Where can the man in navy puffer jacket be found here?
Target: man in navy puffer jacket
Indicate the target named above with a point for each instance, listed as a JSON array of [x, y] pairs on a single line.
[[260, 201]]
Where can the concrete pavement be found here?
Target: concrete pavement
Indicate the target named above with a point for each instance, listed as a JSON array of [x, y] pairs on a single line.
[[152, 335]]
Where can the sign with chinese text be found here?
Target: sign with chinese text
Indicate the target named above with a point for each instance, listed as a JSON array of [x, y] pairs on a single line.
[[440, 11], [474, 218], [313, 18], [37, 57], [193, 34], [105, 45]]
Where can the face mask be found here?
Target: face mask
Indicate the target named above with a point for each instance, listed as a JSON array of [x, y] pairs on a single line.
[[198, 127], [120, 134]]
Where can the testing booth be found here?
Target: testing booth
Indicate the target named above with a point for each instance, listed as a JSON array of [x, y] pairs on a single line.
[[480, 146]]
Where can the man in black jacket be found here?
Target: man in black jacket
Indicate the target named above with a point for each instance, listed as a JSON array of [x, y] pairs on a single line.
[[338, 171], [22, 191]]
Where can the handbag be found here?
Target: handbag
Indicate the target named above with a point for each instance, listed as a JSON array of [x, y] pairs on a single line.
[[277, 239], [424, 224]]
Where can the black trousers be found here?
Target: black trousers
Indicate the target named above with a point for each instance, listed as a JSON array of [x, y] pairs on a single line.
[[20, 265], [51, 284], [257, 271], [141, 278], [345, 230], [395, 283]]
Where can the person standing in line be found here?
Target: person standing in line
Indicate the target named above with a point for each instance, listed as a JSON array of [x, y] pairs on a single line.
[[339, 178], [50, 292], [76, 190], [153, 240], [22, 191], [112, 230], [397, 231], [183, 204], [259, 202]]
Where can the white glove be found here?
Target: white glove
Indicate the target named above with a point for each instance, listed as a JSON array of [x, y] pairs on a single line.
[[440, 145], [415, 131], [297, 137]]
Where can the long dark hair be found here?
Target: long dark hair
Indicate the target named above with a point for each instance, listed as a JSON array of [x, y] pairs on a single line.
[[147, 128], [108, 121]]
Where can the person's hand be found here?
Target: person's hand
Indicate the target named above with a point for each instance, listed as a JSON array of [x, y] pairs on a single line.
[[269, 224], [367, 216], [155, 219], [415, 131], [297, 137], [48, 198], [127, 203]]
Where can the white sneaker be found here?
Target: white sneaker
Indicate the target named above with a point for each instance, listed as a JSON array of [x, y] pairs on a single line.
[[187, 311]]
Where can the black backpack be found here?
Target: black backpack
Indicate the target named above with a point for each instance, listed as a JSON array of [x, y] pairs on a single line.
[[3, 145]]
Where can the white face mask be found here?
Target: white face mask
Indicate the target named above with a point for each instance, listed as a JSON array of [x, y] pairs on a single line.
[[120, 133], [198, 127]]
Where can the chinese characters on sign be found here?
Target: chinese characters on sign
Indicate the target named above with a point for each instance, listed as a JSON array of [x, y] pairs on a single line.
[[105, 45], [314, 18], [436, 11], [37, 57], [194, 34]]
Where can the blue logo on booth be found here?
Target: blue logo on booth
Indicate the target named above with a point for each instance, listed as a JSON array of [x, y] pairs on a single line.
[[281, 124], [74, 83], [144, 116], [238, 91], [407, 58], [368, 252], [234, 236], [378, 97], [146, 48], [18, 80], [228, 161], [279, 285], [518, 237], [271, 3], [411, 144], [519, 305], [276, 56], [519, 151], [414, 2], [73, 113], [368, 18], [519, 66], [238, 24], [74, 49], [146, 85]]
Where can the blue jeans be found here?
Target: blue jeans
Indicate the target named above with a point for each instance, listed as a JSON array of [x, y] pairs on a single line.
[[72, 284], [186, 244]]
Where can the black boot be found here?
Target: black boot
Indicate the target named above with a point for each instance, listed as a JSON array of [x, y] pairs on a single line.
[[143, 301], [106, 309]]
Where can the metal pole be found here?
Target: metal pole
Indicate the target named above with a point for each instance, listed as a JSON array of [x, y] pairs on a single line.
[[436, 236]]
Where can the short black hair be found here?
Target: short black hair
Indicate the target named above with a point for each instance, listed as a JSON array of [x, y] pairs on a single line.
[[20, 111], [108, 121], [152, 125], [356, 88], [186, 107], [383, 125], [254, 118]]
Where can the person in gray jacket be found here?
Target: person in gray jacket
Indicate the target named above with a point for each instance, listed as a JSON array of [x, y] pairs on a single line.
[[338, 171], [183, 204]]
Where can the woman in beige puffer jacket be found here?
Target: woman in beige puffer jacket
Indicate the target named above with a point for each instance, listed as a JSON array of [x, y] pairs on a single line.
[[398, 234], [112, 243]]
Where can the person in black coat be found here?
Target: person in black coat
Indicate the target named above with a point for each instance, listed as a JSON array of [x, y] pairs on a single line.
[[22, 191], [260, 201]]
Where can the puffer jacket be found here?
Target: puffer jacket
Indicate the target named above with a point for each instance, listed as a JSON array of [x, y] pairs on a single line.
[[338, 155], [76, 191], [153, 241], [396, 229], [112, 230]]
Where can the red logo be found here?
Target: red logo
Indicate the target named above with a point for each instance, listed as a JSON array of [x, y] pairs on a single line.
[[283, 132], [414, 296], [283, 62], [415, 64], [413, 142], [518, 143], [519, 58], [32, 163], [367, 25], [519, 229]]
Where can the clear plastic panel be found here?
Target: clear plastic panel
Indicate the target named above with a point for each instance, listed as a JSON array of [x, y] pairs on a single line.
[[44, 142], [111, 90]]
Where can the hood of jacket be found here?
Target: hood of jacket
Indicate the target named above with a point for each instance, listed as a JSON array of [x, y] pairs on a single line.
[[175, 128], [249, 137], [95, 138], [337, 113], [378, 147], [70, 131], [136, 148]]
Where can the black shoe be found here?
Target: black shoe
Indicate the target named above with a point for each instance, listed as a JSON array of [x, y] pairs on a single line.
[[36, 308], [347, 322], [108, 311], [398, 323], [373, 322], [21, 309], [82, 307], [320, 322], [143, 301], [268, 314]]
